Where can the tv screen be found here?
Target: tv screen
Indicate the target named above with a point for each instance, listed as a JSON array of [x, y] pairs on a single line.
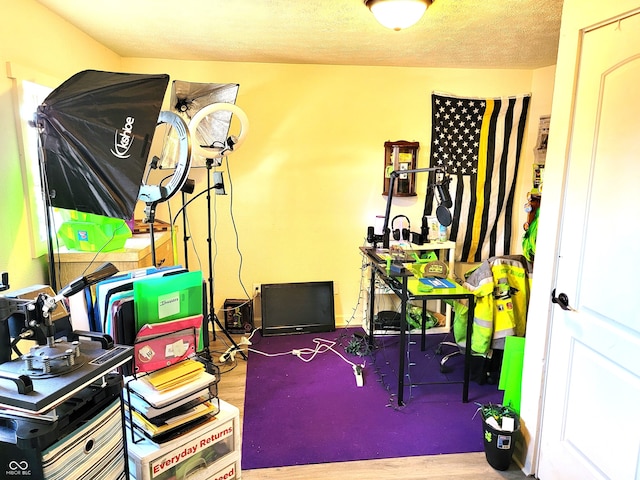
[[302, 307]]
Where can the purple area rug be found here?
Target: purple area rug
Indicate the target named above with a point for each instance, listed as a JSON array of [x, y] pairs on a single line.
[[299, 413]]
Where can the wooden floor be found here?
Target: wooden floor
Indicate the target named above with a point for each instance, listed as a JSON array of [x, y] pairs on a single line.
[[468, 466]]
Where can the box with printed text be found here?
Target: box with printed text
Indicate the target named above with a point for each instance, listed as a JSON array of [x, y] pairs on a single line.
[[211, 450]]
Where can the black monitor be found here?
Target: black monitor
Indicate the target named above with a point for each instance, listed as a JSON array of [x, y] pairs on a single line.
[[301, 307]]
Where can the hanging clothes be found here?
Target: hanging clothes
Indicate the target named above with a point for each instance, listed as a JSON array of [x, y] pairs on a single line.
[[501, 286]]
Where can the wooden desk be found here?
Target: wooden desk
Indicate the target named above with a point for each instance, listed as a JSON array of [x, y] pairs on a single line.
[[405, 286], [136, 253]]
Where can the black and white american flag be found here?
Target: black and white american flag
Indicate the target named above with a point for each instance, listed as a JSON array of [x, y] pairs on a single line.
[[478, 142]]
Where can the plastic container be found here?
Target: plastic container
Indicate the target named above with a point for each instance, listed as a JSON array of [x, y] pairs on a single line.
[[442, 233], [88, 232]]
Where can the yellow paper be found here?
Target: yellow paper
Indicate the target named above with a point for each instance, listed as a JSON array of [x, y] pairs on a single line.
[[175, 375], [193, 414]]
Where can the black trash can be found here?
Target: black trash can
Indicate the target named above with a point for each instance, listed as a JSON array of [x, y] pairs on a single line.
[[499, 444]]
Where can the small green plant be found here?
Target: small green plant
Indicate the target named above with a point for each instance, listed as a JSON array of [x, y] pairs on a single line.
[[358, 346], [497, 411]]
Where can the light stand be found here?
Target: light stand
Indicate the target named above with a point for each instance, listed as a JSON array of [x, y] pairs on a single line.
[[187, 188], [211, 316], [53, 279], [185, 236], [210, 153], [46, 200]]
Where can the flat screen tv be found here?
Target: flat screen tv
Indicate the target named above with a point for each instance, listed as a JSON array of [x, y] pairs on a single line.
[[302, 307]]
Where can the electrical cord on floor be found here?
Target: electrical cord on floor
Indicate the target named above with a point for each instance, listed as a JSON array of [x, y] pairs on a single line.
[[353, 342], [230, 353], [305, 354]]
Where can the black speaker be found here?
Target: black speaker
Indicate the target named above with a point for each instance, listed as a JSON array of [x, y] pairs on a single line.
[[418, 239], [238, 315], [371, 236], [387, 320]]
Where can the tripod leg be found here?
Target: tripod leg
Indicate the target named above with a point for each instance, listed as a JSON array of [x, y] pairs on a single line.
[[226, 333]]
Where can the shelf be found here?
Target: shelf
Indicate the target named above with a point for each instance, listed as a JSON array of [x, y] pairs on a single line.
[[446, 253], [135, 254], [400, 155]]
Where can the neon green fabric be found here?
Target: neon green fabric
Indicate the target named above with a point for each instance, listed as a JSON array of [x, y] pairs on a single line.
[[511, 374], [529, 238]]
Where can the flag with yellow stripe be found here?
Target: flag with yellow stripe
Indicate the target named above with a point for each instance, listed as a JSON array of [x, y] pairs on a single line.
[[478, 142]]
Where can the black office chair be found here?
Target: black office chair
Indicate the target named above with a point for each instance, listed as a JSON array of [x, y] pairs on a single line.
[[443, 361], [483, 369]]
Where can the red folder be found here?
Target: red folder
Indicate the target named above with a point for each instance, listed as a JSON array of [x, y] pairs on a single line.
[[162, 344]]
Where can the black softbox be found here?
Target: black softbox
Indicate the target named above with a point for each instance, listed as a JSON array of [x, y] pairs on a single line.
[[96, 130]]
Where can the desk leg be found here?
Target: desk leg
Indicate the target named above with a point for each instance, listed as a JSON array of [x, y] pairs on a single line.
[[372, 295], [423, 333], [467, 350], [448, 255], [403, 340]]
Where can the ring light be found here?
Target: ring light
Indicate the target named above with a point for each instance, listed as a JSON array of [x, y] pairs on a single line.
[[158, 193], [232, 143]]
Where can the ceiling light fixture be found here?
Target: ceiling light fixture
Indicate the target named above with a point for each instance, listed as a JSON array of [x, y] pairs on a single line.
[[398, 14]]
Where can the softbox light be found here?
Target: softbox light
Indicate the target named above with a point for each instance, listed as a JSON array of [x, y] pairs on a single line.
[[188, 98], [96, 130]]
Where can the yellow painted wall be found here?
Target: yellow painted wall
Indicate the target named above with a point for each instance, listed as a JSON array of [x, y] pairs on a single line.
[[308, 180], [43, 48]]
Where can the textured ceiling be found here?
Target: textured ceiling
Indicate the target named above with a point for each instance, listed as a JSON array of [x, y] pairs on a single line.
[[453, 33]]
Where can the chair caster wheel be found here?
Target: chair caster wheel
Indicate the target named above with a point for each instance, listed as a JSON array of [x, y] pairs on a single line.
[[444, 368]]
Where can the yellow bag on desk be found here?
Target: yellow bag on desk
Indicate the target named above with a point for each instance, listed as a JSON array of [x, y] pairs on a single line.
[[176, 375]]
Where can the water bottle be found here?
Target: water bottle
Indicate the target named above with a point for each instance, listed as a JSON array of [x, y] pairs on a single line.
[[442, 234]]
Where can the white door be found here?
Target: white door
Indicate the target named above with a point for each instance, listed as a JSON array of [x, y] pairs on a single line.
[[591, 409]]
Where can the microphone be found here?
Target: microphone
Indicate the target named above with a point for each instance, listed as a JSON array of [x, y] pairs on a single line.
[[443, 215], [445, 203], [443, 192]]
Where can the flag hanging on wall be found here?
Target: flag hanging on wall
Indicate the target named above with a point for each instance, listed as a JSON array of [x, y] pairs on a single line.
[[478, 141]]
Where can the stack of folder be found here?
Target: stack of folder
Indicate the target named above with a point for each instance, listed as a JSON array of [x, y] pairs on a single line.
[[167, 402], [175, 376], [170, 390], [167, 423]]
